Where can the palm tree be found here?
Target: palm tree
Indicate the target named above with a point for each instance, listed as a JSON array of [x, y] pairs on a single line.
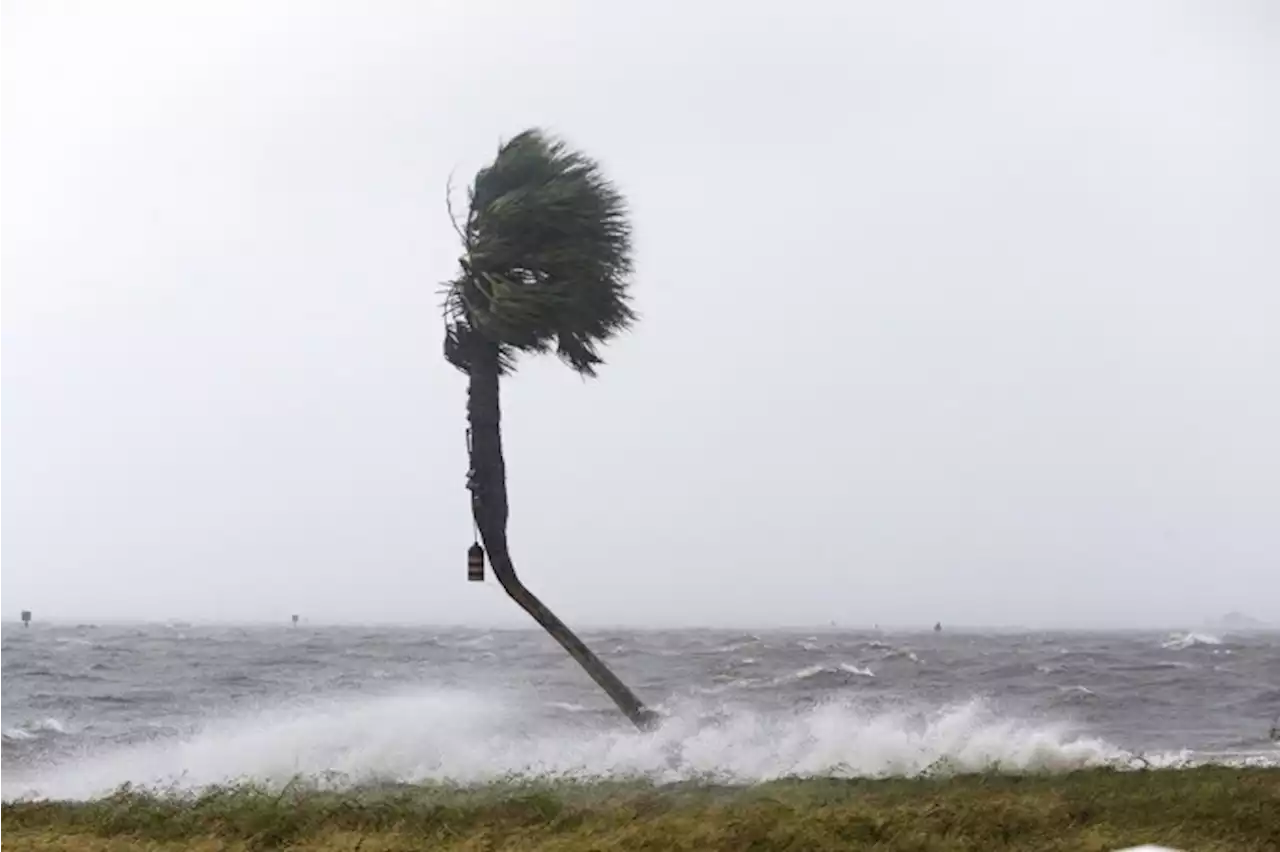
[[546, 265]]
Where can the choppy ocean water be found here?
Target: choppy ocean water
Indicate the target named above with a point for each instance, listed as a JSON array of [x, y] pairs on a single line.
[[88, 708]]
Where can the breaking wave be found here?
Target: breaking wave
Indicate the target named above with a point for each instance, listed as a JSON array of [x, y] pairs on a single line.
[[466, 737], [809, 672], [1180, 641], [34, 729]]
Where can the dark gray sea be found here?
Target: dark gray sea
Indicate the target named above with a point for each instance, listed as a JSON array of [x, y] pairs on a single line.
[[88, 708]]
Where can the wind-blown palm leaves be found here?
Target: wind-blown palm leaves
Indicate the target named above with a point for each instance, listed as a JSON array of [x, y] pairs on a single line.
[[547, 258]]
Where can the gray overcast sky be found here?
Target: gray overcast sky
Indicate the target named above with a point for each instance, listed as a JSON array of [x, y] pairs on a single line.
[[959, 311]]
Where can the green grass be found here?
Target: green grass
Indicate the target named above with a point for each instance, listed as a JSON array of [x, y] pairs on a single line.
[[1207, 809]]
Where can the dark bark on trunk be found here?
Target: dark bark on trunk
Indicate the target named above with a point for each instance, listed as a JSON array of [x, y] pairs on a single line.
[[488, 484]]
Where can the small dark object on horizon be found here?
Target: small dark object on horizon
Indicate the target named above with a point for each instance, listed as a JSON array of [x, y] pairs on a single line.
[[26, 618]]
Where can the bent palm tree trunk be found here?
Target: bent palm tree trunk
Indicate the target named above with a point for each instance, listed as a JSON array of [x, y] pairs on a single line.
[[488, 484]]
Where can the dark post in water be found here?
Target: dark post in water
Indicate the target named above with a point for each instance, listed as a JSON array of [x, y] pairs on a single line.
[[295, 621], [26, 618]]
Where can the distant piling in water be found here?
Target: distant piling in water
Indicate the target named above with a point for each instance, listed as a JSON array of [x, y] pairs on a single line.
[[295, 621], [26, 618]]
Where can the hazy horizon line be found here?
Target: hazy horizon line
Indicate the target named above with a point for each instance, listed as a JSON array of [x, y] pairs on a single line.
[[909, 627]]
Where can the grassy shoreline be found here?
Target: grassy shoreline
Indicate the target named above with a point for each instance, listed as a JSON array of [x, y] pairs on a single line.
[[1207, 808]]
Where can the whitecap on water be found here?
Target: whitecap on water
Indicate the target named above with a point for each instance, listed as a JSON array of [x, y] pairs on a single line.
[[1180, 641], [809, 672], [861, 671], [32, 729]]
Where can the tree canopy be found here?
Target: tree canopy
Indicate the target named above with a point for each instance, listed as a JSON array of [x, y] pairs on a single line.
[[547, 258]]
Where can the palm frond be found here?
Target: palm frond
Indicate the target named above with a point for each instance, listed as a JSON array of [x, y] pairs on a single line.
[[547, 261]]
